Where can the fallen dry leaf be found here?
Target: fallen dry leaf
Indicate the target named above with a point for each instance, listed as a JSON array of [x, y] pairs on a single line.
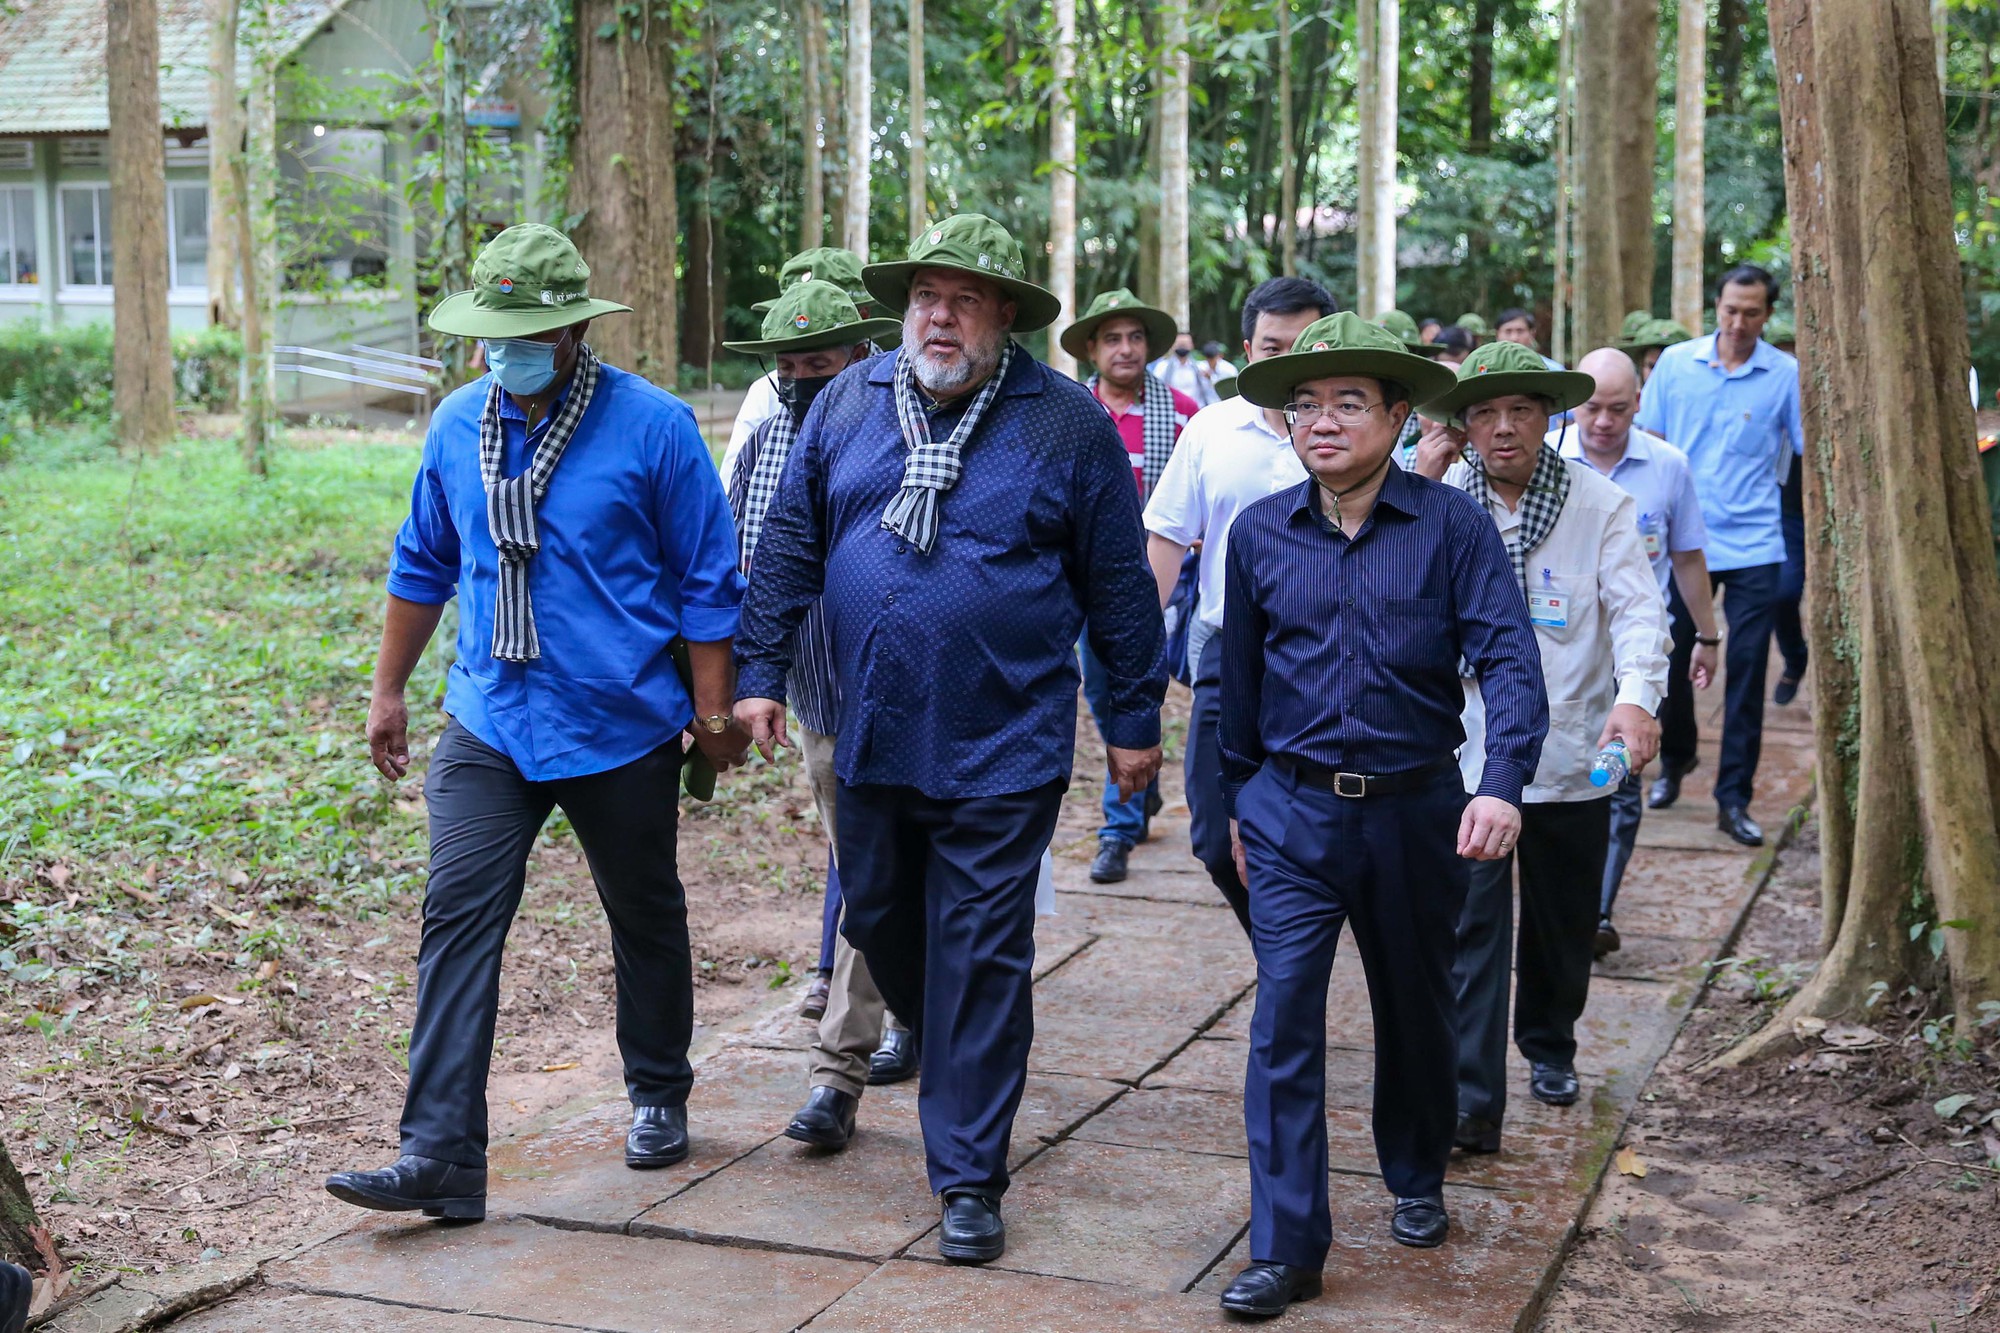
[[57, 875], [1849, 1035], [557, 1069], [1805, 1027], [1628, 1163], [209, 997], [267, 969]]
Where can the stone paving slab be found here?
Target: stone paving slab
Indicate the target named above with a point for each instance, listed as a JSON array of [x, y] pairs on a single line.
[[619, 1284], [294, 1312], [906, 1297]]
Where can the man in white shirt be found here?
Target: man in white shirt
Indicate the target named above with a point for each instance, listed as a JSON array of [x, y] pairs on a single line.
[[1181, 371], [823, 263], [1657, 477], [1219, 367], [1231, 455], [1601, 625]]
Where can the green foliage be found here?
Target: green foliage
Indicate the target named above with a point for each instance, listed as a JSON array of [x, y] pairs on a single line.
[[183, 679], [64, 374]]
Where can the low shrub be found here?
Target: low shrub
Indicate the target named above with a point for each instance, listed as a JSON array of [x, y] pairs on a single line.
[[64, 374]]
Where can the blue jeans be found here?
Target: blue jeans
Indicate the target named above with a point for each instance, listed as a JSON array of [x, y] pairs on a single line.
[[1123, 820]]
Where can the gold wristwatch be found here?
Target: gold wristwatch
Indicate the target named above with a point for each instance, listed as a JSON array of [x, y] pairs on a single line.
[[715, 723]]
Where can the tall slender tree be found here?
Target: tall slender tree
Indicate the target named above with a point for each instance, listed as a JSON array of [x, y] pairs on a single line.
[[142, 365], [255, 174], [1174, 202], [1062, 178], [225, 141], [454, 237], [1690, 170], [1565, 164], [1288, 167], [812, 40], [919, 168], [1904, 597], [860, 124], [1600, 282], [1635, 89], [1379, 41]]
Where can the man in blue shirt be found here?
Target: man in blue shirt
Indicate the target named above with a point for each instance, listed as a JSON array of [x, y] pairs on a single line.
[[1730, 402], [573, 510], [960, 511], [1352, 598]]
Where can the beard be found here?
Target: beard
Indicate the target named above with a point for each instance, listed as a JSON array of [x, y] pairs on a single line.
[[977, 357]]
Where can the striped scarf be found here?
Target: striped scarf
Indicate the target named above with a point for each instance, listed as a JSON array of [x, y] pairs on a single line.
[[1541, 503], [758, 470], [932, 468], [510, 506], [1158, 431]]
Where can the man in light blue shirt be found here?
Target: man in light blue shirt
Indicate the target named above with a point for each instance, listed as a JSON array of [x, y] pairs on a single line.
[[1730, 401], [572, 510]]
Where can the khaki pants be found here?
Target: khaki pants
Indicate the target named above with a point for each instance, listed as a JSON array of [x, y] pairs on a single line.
[[855, 1014]]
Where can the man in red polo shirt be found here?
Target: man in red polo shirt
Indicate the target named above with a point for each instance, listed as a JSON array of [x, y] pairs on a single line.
[[1116, 336]]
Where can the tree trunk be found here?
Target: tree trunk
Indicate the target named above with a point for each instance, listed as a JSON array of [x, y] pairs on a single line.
[[1479, 79], [17, 1216], [624, 183], [1288, 167], [1559, 297], [1062, 179], [860, 124], [812, 36], [1174, 161], [454, 240], [1600, 283], [1636, 87], [1731, 18], [255, 176], [1378, 40], [1941, 35], [1900, 576], [1690, 175], [225, 141], [142, 361], [920, 208], [698, 328]]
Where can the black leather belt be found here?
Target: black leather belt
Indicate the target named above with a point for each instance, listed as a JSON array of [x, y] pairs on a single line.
[[1357, 785]]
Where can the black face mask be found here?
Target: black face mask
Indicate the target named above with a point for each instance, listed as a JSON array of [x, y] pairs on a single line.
[[797, 395], [1184, 352]]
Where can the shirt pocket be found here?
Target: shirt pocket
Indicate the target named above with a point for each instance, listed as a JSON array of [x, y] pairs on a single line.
[[1417, 634]]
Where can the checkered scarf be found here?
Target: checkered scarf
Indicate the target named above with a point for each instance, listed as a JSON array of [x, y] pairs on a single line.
[[1159, 429], [510, 506], [1541, 503], [758, 469], [932, 468]]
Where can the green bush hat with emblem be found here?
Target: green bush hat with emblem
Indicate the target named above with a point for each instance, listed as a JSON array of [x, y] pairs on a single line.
[[1403, 326], [527, 280], [813, 315], [968, 243], [1474, 324], [1502, 368], [1342, 344], [822, 263], [1654, 333], [1161, 328], [1635, 324]]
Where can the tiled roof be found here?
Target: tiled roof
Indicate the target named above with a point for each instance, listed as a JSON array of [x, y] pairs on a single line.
[[52, 78]]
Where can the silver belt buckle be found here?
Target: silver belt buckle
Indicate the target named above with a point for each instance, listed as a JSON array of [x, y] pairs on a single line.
[[1341, 787]]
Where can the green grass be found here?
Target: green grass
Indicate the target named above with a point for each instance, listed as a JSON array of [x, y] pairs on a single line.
[[184, 662]]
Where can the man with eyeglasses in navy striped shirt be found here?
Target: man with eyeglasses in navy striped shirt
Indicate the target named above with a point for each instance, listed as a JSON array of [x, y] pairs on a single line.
[[1351, 600]]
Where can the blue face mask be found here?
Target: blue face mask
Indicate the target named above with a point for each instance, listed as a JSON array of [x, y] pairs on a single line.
[[523, 367]]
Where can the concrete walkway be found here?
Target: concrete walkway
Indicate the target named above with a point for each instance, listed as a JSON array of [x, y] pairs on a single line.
[[1131, 1195]]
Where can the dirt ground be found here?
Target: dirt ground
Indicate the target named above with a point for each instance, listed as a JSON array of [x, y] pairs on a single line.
[[1825, 1193]]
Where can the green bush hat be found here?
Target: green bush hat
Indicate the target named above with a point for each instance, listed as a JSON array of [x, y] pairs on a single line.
[[813, 315], [1635, 324], [527, 280], [1654, 333], [1404, 327], [1161, 328], [1474, 325], [1502, 368], [822, 263], [1342, 344], [968, 243]]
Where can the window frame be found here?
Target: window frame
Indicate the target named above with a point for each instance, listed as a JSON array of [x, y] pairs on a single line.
[[87, 291], [10, 289], [174, 287]]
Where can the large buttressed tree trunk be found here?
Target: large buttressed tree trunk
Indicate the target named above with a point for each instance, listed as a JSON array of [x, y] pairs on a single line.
[[17, 1216], [142, 361], [1174, 215], [225, 141], [623, 182], [1900, 575], [1062, 179]]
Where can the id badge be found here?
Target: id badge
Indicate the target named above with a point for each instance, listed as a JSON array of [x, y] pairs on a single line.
[[1548, 609], [1652, 535]]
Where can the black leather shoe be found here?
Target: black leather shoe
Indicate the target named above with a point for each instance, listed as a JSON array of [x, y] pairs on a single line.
[[1476, 1136], [1607, 941], [416, 1184], [658, 1137], [17, 1290], [1420, 1223], [1666, 789], [1552, 1085], [1787, 690], [1109, 867], [1736, 822], [826, 1120], [972, 1232], [896, 1059], [813, 1007], [1264, 1291]]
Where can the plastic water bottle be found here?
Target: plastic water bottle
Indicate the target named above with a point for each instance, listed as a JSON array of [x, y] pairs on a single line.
[[1611, 766]]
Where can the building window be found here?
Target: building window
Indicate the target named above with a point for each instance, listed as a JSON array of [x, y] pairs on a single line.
[[86, 232], [187, 236], [17, 236]]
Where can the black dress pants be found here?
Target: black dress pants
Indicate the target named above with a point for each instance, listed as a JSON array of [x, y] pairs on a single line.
[[484, 817], [1562, 869], [1749, 607]]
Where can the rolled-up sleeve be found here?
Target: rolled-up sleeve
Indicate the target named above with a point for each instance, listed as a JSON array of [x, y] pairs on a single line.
[[423, 563], [698, 536], [1499, 644], [1121, 602]]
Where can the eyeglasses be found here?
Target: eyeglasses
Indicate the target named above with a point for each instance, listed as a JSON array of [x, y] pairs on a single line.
[[1346, 414]]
